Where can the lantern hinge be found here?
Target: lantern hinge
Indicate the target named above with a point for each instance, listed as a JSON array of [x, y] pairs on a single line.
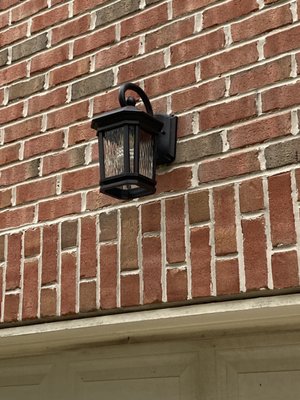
[[166, 140]]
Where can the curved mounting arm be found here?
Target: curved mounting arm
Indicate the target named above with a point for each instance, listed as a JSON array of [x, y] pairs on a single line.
[[130, 101]]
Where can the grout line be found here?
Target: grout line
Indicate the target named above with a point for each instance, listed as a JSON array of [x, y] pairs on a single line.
[[239, 239], [213, 285]]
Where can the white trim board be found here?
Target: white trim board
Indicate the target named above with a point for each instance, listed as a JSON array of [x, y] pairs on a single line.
[[252, 314]]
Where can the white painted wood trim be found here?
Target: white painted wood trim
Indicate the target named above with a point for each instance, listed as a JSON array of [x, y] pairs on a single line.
[[254, 314]]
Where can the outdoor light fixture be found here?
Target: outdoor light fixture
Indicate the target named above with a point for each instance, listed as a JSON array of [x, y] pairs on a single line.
[[131, 143]]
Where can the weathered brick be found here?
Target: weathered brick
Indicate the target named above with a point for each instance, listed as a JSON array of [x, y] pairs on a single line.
[[108, 274], [225, 228], [283, 153], [108, 226], [27, 9], [48, 100], [49, 58], [29, 47], [141, 67], [43, 143], [50, 18], [56, 208], [12, 72], [151, 221], [68, 72], [281, 210], [183, 7], [71, 29], [88, 256], [87, 299], [68, 234], [16, 217], [83, 5], [68, 283], [11, 308], [14, 254], [152, 270], [198, 207], [49, 254], [20, 172], [11, 113], [64, 160], [82, 179], [115, 11], [130, 290], [175, 233], [285, 270], [9, 154], [22, 129], [80, 133], [68, 115], [13, 34], [129, 234], [3, 58], [5, 198], [281, 97], [282, 41], [227, 273], [26, 88], [255, 256], [251, 195], [201, 262], [32, 242], [176, 284], [96, 40], [93, 84], [2, 248], [48, 302], [178, 179], [199, 147], [30, 290]]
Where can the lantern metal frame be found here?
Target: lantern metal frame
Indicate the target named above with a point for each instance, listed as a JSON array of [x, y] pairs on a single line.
[[162, 130]]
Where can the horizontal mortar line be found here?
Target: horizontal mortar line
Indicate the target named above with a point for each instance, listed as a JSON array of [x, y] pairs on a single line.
[[204, 224], [13, 291], [252, 215], [225, 257], [107, 242], [129, 272], [284, 248], [35, 258], [87, 280], [49, 286], [70, 250], [179, 266], [146, 235]]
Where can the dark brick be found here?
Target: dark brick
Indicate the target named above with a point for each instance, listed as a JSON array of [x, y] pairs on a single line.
[[116, 11], [94, 84], [108, 226], [26, 88], [68, 234], [2, 248], [29, 47], [198, 207], [283, 153], [198, 148], [3, 57]]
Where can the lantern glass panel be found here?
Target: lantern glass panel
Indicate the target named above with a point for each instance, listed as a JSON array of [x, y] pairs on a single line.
[[113, 146], [131, 129], [146, 154]]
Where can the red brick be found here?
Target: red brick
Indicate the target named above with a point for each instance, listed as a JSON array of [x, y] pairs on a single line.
[[49, 254], [178, 179], [88, 257], [141, 67], [175, 232], [229, 60], [48, 100], [96, 200], [5, 198], [259, 131], [68, 283], [232, 165], [251, 195], [20, 173], [169, 34], [183, 7], [48, 302], [9, 154], [22, 129], [13, 73], [228, 11], [108, 226], [152, 270], [108, 276], [226, 113], [35, 190], [255, 257], [96, 40], [63, 160], [145, 20], [17, 217], [68, 115], [199, 207], [83, 5], [106, 102], [151, 217], [32, 242], [185, 125], [52, 209], [30, 290], [50, 18], [11, 113], [11, 309], [87, 297], [227, 277], [43, 144], [2, 250], [82, 179], [49, 58], [13, 34], [70, 29], [282, 42], [281, 210], [27, 9], [130, 290], [176, 285], [225, 228], [285, 270], [281, 97], [69, 233], [14, 254], [129, 234], [200, 261], [68, 72], [81, 133], [198, 95], [197, 47], [260, 23], [261, 76], [4, 19]]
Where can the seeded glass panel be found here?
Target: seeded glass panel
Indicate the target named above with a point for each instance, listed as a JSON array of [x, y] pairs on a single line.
[[131, 147], [113, 144], [146, 154]]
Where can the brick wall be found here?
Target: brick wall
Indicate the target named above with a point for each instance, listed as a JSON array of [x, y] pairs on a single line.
[[225, 218]]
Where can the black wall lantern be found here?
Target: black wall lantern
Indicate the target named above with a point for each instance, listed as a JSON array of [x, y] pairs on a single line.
[[131, 144]]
